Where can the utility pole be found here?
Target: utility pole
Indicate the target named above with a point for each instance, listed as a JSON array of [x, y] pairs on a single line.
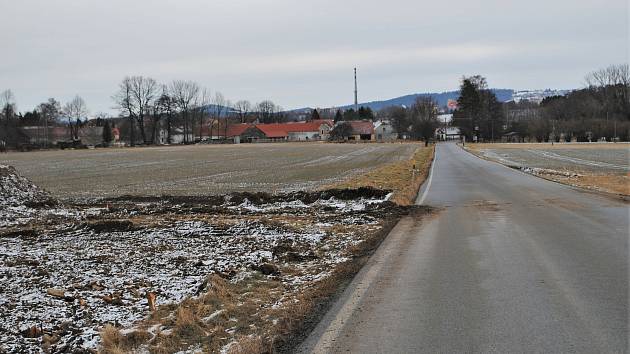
[[356, 102]]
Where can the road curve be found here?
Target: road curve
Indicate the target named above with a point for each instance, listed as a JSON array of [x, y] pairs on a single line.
[[510, 264]]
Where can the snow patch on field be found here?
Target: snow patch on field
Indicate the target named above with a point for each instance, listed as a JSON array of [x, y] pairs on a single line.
[[70, 278]]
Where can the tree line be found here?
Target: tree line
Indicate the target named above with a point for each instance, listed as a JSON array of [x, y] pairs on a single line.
[[147, 109], [599, 111]]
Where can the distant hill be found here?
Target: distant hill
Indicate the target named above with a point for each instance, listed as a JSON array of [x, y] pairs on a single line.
[[212, 109], [441, 98]]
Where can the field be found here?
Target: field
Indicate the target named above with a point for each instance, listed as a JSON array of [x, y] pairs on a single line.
[[200, 169], [228, 271], [603, 167]]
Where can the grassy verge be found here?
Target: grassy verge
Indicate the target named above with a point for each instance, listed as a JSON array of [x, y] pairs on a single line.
[[403, 178]]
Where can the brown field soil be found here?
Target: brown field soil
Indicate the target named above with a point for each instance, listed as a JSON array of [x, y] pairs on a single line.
[[403, 178], [200, 169]]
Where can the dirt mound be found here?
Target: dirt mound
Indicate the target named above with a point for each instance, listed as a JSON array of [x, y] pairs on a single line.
[[258, 198], [16, 190]]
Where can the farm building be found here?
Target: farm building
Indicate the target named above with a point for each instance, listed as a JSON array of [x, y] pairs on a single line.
[[298, 131], [244, 133], [384, 131], [361, 130]]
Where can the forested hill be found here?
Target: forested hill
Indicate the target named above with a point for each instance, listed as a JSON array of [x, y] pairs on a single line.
[[442, 98]]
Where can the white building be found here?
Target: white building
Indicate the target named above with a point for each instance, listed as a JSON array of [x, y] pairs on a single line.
[[384, 131]]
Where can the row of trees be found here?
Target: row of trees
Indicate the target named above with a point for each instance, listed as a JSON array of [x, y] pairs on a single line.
[[182, 103], [146, 107], [601, 110], [46, 114]]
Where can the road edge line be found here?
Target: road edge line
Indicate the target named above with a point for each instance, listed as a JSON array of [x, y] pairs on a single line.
[[428, 186]]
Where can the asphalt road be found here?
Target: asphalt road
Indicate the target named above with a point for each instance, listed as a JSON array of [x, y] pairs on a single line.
[[509, 264]]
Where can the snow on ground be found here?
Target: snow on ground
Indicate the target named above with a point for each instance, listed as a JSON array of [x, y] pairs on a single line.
[[71, 270], [18, 196]]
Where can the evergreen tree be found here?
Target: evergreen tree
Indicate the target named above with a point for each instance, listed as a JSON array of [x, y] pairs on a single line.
[[478, 113], [107, 133], [338, 116], [315, 115], [350, 114], [365, 113]]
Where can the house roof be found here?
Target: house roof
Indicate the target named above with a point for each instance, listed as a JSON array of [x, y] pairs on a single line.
[[360, 127], [319, 122], [312, 126], [381, 123], [238, 129], [274, 130], [280, 130]]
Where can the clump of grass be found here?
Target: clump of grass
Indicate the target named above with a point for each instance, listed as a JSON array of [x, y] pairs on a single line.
[[249, 345], [400, 177], [111, 341], [187, 323]]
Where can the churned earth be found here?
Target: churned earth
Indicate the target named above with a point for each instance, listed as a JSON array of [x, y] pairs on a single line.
[[131, 266]]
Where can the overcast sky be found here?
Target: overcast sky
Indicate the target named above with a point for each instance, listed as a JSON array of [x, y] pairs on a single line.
[[301, 53]]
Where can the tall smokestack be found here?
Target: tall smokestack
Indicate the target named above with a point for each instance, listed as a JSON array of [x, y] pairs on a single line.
[[356, 102]]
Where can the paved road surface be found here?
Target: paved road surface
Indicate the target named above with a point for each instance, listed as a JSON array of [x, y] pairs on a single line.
[[511, 264]]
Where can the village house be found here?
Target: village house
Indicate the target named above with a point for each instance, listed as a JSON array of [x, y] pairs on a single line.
[[448, 133], [177, 136], [384, 131]]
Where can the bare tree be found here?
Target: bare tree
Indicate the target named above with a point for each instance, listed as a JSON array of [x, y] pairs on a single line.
[[201, 110], [610, 76], [124, 102], [135, 98], [49, 111], [143, 92], [218, 102], [423, 117], [8, 106], [184, 94], [611, 86], [228, 105], [74, 111], [267, 111], [243, 107]]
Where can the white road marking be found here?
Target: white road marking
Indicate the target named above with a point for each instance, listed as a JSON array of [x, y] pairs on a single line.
[[426, 190]]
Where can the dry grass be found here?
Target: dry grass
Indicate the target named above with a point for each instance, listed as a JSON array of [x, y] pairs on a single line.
[[248, 345], [615, 184], [400, 177]]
